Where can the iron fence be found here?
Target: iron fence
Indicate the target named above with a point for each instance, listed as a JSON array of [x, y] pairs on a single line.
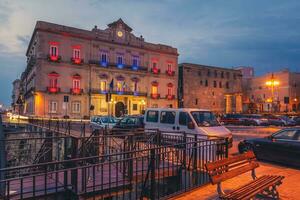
[[105, 164]]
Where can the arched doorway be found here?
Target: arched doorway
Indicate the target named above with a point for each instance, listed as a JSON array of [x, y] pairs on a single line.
[[119, 109]]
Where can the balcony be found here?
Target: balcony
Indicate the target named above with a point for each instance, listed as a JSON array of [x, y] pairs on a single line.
[[170, 97], [118, 66], [125, 92], [170, 73], [155, 70], [155, 96], [52, 58], [53, 90], [77, 61], [76, 91]]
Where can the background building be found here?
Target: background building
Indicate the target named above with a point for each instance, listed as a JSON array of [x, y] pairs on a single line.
[[16, 96], [247, 76], [70, 71], [215, 88], [285, 95]]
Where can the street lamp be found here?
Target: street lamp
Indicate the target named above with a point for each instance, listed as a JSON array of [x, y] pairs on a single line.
[[272, 83]]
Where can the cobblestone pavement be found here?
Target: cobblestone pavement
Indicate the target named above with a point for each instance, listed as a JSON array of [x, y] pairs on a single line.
[[290, 189]]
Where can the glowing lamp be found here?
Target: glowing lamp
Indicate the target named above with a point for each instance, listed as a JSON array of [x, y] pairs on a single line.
[[269, 100]]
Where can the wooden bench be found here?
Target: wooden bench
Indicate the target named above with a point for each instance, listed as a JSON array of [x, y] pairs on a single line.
[[228, 168]]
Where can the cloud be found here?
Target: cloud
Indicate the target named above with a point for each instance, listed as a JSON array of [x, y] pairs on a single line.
[[222, 33]]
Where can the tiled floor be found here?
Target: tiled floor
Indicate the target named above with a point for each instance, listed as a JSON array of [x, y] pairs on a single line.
[[290, 189]]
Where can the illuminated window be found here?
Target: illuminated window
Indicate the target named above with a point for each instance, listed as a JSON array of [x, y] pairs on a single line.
[[103, 86], [119, 59], [135, 61], [134, 86], [154, 64], [76, 53], [53, 50], [53, 106], [215, 84], [170, 90], [53, 82], [103, 57], [170, 67], [76, 83], [76, 106], [120, 86], [154, 89], [227, 85]]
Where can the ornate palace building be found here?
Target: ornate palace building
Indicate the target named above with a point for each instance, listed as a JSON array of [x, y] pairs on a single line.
[[70, 71], [206, 87]]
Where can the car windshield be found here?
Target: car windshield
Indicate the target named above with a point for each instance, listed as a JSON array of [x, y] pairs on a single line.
[[205, 118], [107, 120]]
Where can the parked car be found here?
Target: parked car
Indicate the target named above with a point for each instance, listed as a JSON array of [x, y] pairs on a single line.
[[286, 120], [282, 147], [232, 119], [255, 120], [274, 120], [296, 119], [100, 122], [130, 122], [191, 121]]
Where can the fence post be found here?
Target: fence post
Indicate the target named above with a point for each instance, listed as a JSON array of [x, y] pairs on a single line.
[[74, 175], [195, 153], [152, 170], [226, 146], [130, 157], [2, 157], [184, 150]]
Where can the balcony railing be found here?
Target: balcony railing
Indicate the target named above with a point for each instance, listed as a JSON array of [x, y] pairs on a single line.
[[155, 70], [53, 90], [125, 92], [53, 58], [117, 65], [170, 97], [77, 91], [155, 96], [170, 73], [77, 61]]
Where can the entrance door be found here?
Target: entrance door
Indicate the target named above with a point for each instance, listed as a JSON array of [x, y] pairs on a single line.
[[119, 109]]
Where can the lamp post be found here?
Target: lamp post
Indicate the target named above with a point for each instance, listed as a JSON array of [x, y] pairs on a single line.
[[272, 83]]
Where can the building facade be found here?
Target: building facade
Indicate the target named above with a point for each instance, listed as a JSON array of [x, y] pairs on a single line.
[[276, 92], [79, 73], [215, 88], [16, 96], [247, 76]]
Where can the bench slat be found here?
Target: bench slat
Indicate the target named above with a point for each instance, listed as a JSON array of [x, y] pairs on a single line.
[[234, 172], [248, 186], [227, 161], [253, 189]]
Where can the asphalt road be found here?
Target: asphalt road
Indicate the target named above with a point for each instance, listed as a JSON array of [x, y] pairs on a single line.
[[247, 132]]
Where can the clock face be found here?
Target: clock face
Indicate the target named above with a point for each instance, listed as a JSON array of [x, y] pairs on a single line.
[[120, 33]]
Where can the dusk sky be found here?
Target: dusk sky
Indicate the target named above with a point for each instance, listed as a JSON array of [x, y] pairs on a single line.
[[258, 33]]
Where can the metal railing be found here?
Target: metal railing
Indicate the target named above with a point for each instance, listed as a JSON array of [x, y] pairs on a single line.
[[127, 164]]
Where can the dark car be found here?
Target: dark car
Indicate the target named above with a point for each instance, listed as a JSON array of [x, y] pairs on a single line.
[[255, 120], [282, 147], [232, 119], [130, 122], [274, 120]]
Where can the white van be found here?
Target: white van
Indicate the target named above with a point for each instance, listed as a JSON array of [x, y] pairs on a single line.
[[191, 121]]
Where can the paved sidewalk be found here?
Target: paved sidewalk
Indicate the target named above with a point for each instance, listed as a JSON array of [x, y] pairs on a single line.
[[290, 189]]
